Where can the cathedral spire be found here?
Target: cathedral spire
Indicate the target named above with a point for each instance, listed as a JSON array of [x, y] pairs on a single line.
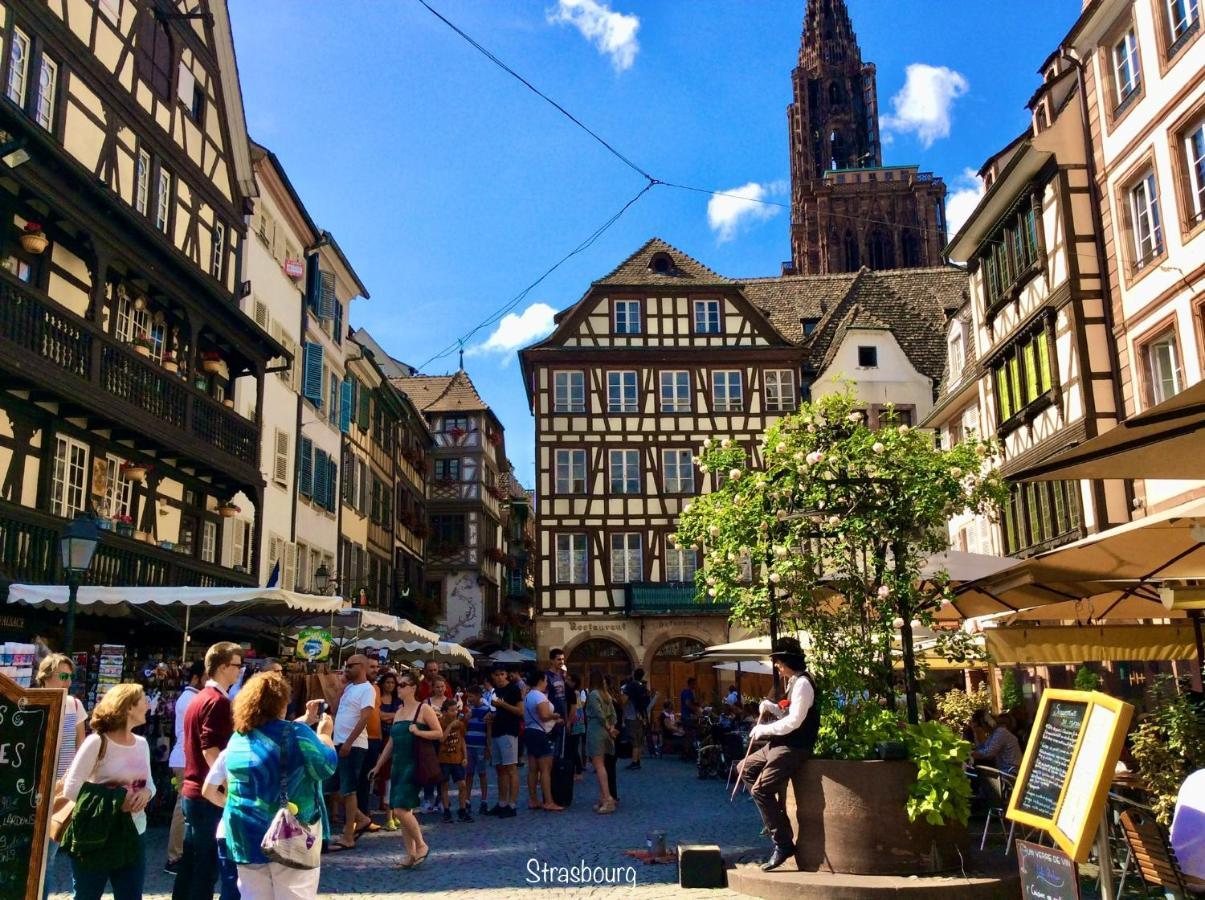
[[828, 35]]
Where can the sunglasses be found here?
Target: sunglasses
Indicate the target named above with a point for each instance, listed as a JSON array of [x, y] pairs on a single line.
[[64, 676]]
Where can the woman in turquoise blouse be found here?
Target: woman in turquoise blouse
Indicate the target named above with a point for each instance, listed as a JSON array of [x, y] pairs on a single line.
[[262, 739]]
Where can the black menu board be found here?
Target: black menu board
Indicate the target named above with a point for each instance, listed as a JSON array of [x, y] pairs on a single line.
[[29, 742], [1046, 873], [1056, 737]]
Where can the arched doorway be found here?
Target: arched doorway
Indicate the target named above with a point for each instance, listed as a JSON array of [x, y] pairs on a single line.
[[603, 654], [668, 672]]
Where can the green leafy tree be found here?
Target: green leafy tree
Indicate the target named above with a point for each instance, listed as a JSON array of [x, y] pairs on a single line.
[[956, 707], [1086, 679], [827, 528], [1010, 691], [1168, 744]]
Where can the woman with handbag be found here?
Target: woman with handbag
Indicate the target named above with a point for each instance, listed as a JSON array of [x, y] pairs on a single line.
[[110, 782], [274, 767], [410, 751]]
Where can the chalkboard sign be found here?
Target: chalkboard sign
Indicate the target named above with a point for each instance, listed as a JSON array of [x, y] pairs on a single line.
[[1046, 873], [29, 743], [1064, 778], [1056, 739]]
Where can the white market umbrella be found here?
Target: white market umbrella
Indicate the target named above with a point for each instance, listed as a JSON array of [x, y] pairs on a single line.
[[747, 667]]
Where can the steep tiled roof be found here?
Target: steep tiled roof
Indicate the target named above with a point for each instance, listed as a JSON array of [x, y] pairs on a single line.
[[792, 298], [637, 269], [442, 393]]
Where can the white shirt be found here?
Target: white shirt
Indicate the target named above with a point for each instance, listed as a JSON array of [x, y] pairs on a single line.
[[130, 766], [355, 698], [176, 759], [1188, 825], [531, 705], [73, 715], [801, 695], [217, 777]]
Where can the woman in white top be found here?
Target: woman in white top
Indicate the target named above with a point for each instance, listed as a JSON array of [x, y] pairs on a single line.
[[175, 834], [56, 671], [114, 756], [539, 719]]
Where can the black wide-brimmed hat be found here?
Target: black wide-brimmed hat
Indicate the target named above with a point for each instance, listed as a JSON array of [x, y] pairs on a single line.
[[788, 651]]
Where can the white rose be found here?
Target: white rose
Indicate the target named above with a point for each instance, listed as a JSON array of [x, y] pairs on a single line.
[[898, 623], [820, 421], [812, 429], [854, 416], [916, 623], [704, 469], [956, 472], [706, 443], [904, 429], [781, 552], [782, 447], [884, 591], [814, 457], [725, 443], [694, 546], [775, 578], [711, 592], [734, 474], [799, 456], [878, 447], [833, 520]]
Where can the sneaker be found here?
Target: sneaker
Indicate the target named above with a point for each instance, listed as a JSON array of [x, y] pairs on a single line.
[[171, 867], [448, 816], [484, 809], [495, 811], [633, 766], [507, 812], [463, 815], [392, 824]]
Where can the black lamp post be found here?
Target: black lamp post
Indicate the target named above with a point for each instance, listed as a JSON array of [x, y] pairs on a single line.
[[322, 578], [76, 548]]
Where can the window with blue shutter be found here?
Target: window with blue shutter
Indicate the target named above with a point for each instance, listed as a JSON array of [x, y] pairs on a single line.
[[345, 406], [332, 481], [326, 292], [333, 411], [337, 332], [311, 383], [312, 289], [305, 474], [321, 478]]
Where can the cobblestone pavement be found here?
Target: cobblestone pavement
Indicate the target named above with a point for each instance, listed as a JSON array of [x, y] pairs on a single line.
[[489, 859]]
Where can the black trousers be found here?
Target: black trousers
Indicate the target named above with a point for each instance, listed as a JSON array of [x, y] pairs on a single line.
[[609, 764], [768, 773]]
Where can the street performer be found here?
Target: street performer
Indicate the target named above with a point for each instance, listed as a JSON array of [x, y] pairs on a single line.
[[789, 741]]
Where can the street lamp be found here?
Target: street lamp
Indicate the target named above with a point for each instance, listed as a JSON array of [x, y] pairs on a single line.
[[322, 578], [76, 548]]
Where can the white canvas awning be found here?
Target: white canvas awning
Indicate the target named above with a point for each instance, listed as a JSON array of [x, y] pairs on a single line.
[[440, 651]]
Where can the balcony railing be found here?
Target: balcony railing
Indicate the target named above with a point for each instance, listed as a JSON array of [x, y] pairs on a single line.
[[29, 553], [69, 356], [674, 598]]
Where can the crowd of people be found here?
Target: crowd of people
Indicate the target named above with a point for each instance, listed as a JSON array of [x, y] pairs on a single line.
[[399, 745]]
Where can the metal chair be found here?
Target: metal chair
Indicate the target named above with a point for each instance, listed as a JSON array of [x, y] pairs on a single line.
[[996, 786]]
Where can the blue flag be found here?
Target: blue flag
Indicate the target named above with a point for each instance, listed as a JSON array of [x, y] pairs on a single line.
[[274, 578]]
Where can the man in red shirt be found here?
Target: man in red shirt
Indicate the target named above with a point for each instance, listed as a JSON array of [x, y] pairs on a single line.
[[431, 671], [208, 725]]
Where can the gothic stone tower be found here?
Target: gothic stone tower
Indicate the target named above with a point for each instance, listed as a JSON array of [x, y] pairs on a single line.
[[847, 209]]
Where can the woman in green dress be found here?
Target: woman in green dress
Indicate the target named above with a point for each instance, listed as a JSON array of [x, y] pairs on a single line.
[[600, 738], [413, 721]]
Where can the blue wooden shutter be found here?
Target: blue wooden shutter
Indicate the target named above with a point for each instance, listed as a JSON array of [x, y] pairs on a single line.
[[345, 405], [311, 283], [326, 291], [305, 475], [321, 478], [311, 384], [332, 481], [337, 331]]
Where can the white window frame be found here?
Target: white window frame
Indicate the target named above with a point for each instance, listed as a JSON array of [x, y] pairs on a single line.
[[708, 317], [572, 558], [18, 67], [681, 563], [678, 471], [69, 478], [1162, 355], [675, 391], [142, 182], [780, 390], [163, 199], [119, 492], [1194, 158], [957, 356], [567, 387], [1127, 75], [570, 474], [629, 313], [48, 85], [723, 400], [209, 541], [1179, 22], [623, 471], [1145, 219], [627, 557], [623, 391]]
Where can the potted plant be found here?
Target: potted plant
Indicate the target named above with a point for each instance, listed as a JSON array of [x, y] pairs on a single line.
[[104, 523], [211, 361], [124, 525], [142, 344], [829, 535], [167, 545], [228, 402], [135, 471], [227, 509], [33, 239], [169, 362]]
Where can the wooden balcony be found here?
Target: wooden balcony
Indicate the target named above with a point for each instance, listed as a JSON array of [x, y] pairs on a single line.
[[674, 598], [29, 554], [61, 356]]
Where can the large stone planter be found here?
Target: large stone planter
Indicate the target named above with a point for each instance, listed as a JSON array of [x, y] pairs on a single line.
[[849, 817]]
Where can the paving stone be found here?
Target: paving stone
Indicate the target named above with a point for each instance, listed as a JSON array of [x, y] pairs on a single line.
[[489, 859]]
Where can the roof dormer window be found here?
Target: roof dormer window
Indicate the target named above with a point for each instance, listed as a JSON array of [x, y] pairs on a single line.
[[662, 263]]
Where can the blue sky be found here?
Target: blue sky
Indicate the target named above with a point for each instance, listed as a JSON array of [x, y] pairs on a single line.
[[451, 187]]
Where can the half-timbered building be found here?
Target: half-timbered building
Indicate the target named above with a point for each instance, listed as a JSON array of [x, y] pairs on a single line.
[[125, 174], [657, 356], [465, 555]]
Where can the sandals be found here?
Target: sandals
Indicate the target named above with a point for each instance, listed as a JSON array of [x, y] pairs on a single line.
[[336, 847], [370, 828], [551, 807], [414, 864]]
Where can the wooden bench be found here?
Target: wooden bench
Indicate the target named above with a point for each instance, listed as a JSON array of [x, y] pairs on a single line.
[[1153, 856]]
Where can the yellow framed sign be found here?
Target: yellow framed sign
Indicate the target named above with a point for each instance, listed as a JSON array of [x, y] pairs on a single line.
[[1068, 766]]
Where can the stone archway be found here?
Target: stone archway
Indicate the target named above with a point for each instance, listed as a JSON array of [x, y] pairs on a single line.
[[606, 654]]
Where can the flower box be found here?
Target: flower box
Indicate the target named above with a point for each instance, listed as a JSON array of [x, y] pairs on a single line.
[[33, 240], [125, 529], [228, 510], [211, 362], [135, 472]]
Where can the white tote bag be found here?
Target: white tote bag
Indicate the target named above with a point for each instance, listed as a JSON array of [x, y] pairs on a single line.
[[288, 840]]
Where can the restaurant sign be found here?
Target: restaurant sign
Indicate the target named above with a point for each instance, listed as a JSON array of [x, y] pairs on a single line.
[[1068, 766]]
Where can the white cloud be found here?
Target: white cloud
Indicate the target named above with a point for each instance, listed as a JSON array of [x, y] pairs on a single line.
[[962, 202], [924, 103], [517, 330], [729, 211], [613, 33]]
